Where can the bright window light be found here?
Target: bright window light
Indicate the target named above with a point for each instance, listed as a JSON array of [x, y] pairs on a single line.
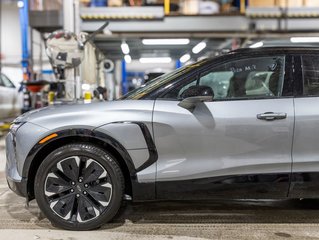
[[199, 47], [304, 39], [185, 58], [127, 58], [178, 41], [257, 45], [125, 48], [156, 60]]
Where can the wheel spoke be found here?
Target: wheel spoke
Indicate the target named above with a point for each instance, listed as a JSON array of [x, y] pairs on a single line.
[[61, 175], [101, 187], [63, 206], [57, 195], [81, 167], [70, 167], [86, 210], [93, 171], [98, 204], [74, 210], [98, 182], [99, 198], [55, 184]]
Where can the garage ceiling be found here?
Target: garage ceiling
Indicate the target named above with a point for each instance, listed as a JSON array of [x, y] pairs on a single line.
[[111, 48]]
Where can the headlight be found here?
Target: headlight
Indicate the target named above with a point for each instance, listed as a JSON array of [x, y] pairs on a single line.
[[15, 126]]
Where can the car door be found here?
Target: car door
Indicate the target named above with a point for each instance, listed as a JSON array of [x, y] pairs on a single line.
[[9, 101], [238, 145], [305, 176]]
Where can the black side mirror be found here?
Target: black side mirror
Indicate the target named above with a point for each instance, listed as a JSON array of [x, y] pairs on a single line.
[[196, 91], [194, 95]]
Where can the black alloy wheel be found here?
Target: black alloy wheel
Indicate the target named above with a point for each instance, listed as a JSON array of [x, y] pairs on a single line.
[[79, 187]]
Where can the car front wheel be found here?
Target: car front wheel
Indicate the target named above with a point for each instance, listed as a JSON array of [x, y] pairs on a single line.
[[79, 187]]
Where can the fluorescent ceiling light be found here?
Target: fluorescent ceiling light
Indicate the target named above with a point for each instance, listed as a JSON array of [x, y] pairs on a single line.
[[185, 58], [127, 58], [20, 4], [257, 45], [156, 60], [304, 39], [125, 48], [177, 41], [199, 47]]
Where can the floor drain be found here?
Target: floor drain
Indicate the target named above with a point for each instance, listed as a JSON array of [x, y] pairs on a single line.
[[281, 234]]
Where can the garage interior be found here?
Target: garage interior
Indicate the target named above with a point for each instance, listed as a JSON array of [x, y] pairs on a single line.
[[125, 44]]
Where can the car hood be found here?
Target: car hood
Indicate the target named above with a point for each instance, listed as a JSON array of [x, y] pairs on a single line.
[[89, 115]]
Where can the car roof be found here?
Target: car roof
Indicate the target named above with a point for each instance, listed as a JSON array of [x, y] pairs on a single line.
[[277, 49], [251, 52]]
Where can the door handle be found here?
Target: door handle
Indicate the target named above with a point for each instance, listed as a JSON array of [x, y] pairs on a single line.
[[271, 116]]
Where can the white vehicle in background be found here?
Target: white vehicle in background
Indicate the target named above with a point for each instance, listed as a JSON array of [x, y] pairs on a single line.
[[9, 99]]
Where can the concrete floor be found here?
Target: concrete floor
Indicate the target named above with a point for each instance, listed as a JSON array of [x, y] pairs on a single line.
[[289, 219]]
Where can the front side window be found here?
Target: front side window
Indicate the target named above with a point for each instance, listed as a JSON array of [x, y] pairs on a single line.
[[6, 82], [246, 78], [310, 67], [162, 81]]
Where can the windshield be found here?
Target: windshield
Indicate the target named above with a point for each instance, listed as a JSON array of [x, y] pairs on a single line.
[[158, 82]]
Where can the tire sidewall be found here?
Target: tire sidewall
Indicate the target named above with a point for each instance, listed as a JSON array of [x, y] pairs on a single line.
[[99, 155]]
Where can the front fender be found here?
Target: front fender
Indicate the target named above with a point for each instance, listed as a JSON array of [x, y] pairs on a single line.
[[141, 191]]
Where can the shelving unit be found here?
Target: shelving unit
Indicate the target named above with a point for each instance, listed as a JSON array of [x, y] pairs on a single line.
[[254, 23]]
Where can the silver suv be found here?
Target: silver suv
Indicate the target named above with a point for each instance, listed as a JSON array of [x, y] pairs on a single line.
[[243, 125], [9, 99]]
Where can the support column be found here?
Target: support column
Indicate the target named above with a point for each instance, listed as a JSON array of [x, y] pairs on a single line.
[[68, 15], [178, 64], [124, 78], [70, 74], [24, 25]]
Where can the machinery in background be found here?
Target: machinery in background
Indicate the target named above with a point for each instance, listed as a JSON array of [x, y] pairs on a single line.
[[108, 68], [66, 52]]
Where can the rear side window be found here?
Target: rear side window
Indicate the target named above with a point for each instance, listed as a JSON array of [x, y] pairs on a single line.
[[310, 68]]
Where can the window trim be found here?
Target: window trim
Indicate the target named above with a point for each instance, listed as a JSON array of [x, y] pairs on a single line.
[[197, 72], [299, 84]]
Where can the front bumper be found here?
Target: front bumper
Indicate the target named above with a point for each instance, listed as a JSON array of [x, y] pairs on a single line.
[[15, 182], [19, 188]]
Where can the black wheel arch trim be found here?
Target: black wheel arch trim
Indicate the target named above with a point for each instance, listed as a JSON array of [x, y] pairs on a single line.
[[93, 133]]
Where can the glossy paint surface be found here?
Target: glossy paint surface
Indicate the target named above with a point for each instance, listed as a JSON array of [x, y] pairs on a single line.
[[305, 166], [306, 136], [92, 115], [26, 137], [222, 138]]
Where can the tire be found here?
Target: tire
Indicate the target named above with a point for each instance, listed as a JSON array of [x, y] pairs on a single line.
[[79, 187]]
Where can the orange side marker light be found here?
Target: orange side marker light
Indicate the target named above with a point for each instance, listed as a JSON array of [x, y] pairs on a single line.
[[53, 135]]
